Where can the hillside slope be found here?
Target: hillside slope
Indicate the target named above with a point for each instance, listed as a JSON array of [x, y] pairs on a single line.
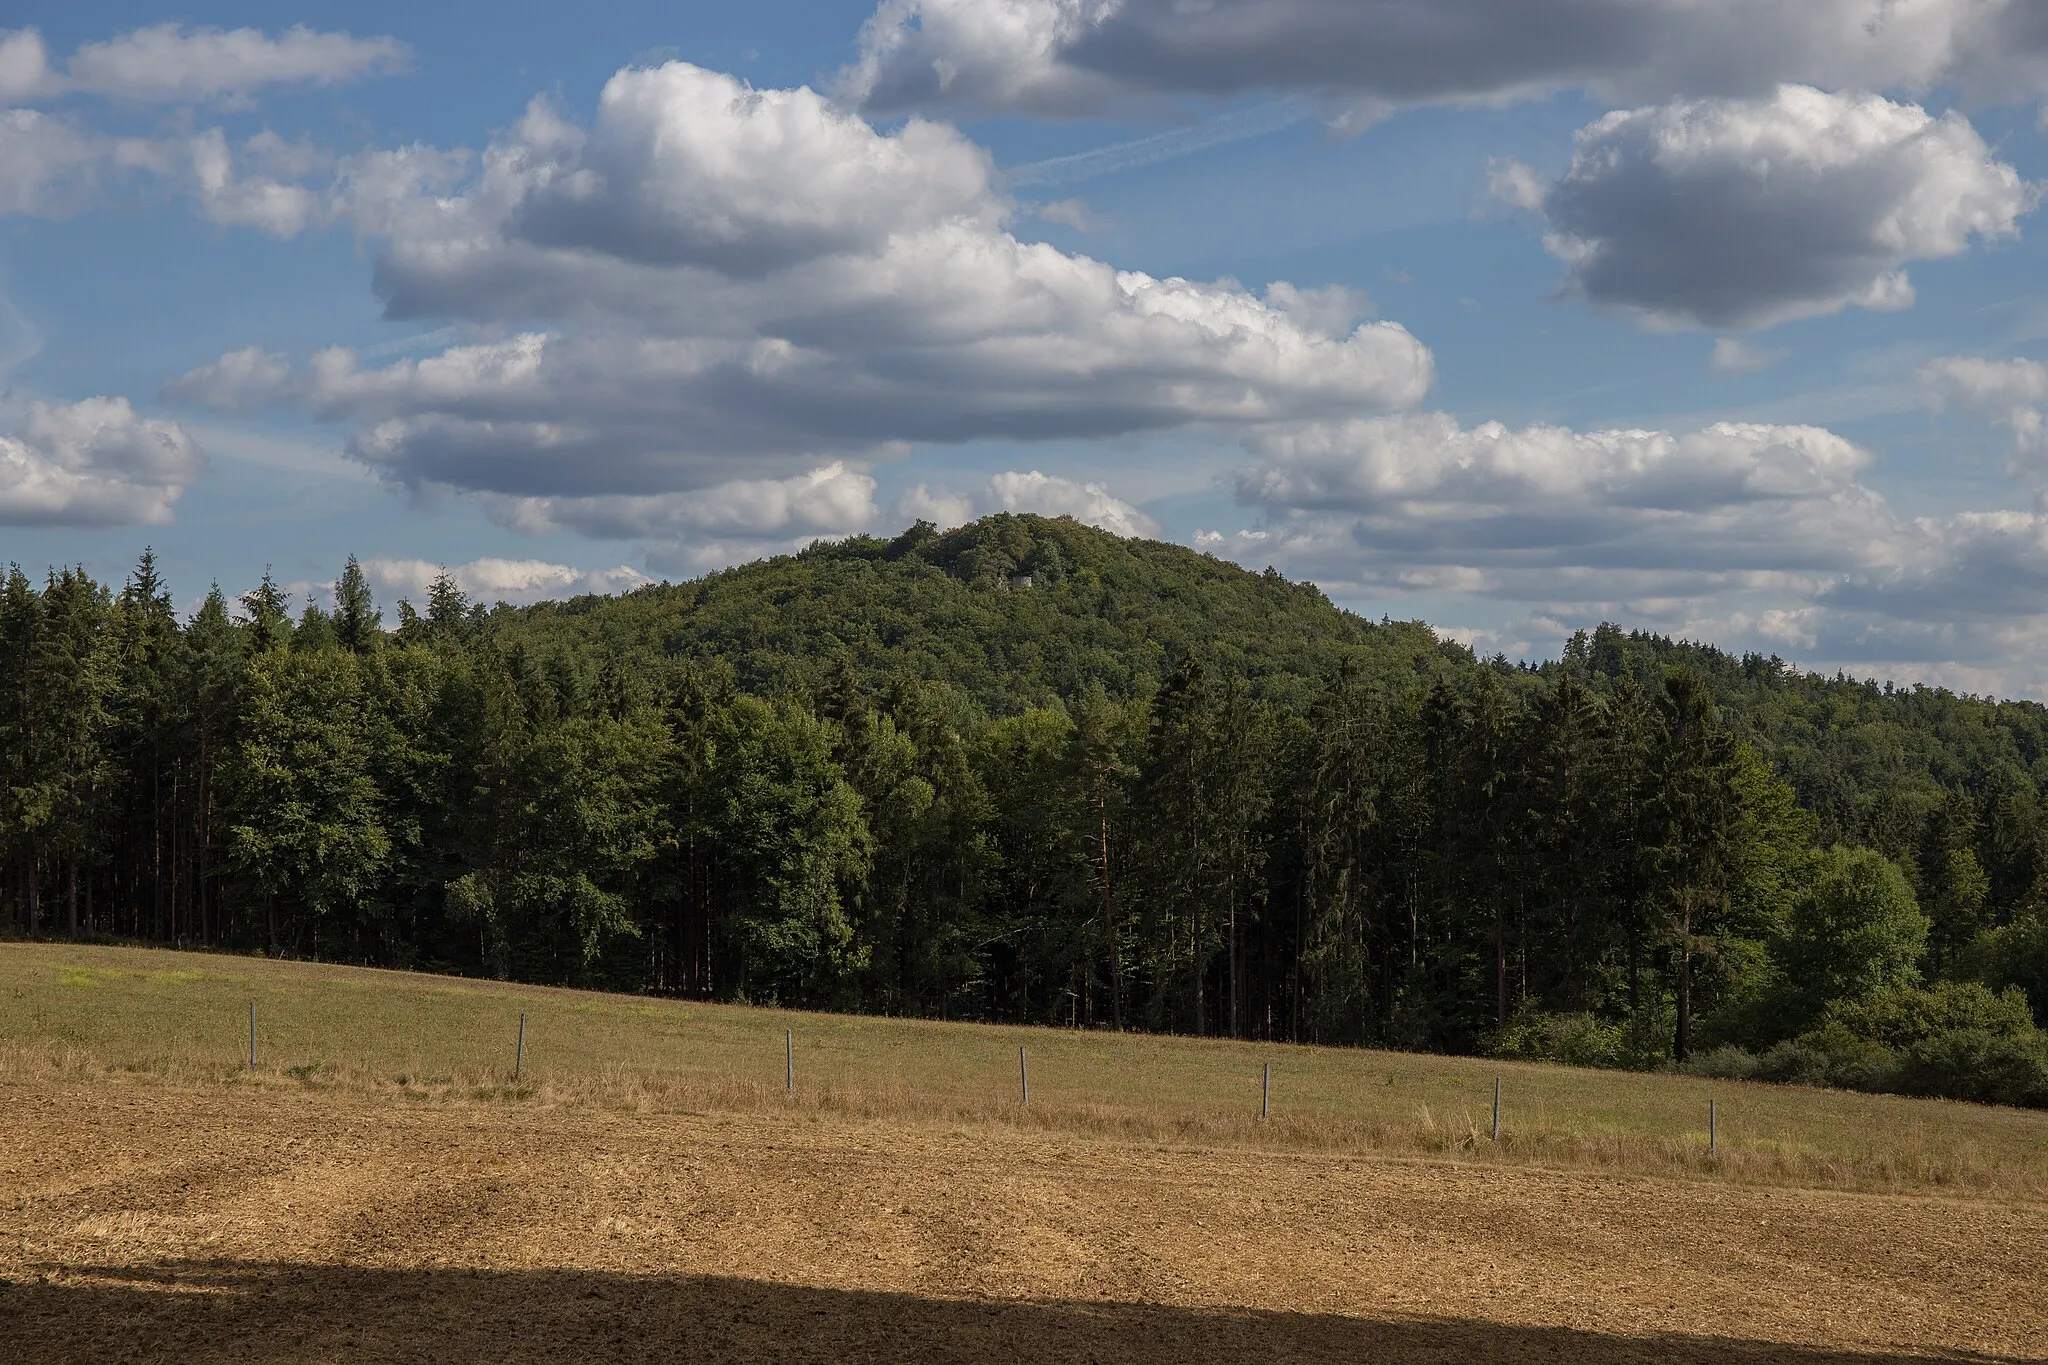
[[953, 607]]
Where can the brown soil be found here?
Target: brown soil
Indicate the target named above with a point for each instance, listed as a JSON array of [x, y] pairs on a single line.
[[154, 1222]]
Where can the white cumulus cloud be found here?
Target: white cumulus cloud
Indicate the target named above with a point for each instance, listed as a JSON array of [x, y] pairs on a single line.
[[1737, 214], [517, 581], [715, 285], [94, 463], [832, 500], [1548, 513], [1047, 495]]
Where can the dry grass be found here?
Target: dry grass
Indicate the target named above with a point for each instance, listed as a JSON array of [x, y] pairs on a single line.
[[152, 1016]]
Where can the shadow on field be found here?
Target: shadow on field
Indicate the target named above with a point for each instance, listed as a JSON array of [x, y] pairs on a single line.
[[239, 1311]]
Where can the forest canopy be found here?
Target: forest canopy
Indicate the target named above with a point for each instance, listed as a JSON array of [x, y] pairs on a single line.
[[1026, 770]]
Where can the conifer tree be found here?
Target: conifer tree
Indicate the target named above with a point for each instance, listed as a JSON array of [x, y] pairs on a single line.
[[144, 743], [314, 634], [447, 609], [267, 616], [70, 676], [1699, 811], [358, 626], [21, 614]]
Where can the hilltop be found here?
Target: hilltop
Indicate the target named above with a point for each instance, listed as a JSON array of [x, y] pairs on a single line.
[[1013, 609]]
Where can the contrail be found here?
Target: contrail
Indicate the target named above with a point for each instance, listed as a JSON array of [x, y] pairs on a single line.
[[1145, 151]]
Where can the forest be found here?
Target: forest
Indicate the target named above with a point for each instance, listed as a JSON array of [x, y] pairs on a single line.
[[1028, 771]]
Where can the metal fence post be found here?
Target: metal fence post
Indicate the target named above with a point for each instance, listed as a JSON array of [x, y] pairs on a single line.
[[1266, 1094], [1496, 1109], [789, 1061], [519, 1055]]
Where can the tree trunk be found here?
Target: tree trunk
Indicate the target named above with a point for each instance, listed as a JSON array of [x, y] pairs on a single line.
[[1681, 1043], [1500, 962], [1635, 967], [1234, 1021], [1116, 957]]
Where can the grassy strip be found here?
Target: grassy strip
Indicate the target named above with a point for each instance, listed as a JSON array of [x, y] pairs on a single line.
[[70, 1013]]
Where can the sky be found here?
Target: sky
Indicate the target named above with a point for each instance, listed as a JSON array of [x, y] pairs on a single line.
[[1721, 318]]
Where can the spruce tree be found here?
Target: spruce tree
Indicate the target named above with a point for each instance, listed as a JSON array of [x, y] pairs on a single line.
[[1699, 810], [358, 626], [314, 633], [267, 616]]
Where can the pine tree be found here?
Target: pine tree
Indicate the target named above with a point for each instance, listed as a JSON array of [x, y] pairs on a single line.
[[21, 612], [267, 616], [448, 610], [1630, 834], [144, 745], [358, 626], [215, 653], [70, 675], [1699, 812], [1573, 922], [314, 633]]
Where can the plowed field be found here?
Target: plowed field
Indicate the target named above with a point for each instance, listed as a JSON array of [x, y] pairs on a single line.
[[151, 1220]]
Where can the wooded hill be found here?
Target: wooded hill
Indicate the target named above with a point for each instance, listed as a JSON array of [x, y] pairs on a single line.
[[1009, 613], [1031, 771]]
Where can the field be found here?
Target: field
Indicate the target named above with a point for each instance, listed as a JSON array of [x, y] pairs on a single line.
[[381, 1187]]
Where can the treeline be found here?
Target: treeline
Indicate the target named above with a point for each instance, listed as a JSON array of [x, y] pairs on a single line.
[[1641, 855]]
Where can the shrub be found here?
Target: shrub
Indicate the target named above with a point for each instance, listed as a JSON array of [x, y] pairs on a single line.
[[1578, 1040], [1905, 1016], [1793, 1062], [2015, 956], [1830, 1055], [1725, 1063], [1957, 1040], [1977, 1064]]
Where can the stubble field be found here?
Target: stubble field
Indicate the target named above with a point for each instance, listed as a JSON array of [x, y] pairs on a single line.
[[381, 1188]]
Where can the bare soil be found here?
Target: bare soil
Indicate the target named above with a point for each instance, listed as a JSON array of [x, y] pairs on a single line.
[[148, 1221]]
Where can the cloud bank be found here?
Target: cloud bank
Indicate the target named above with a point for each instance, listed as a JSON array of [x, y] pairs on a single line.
[[1364, 58], [1046, 495], [1748, 535], [714, 290], [488, 580]]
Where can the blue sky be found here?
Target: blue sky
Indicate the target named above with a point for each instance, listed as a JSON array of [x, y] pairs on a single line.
[[1722, 320]]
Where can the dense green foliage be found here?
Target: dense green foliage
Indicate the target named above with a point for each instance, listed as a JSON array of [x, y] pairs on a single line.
[[1030, 771]]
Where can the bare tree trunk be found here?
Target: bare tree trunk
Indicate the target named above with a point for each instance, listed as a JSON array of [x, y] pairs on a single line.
[[1500, 963], [1681, 1047], [1116, 957], [156, 852], [1235, 1030]]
